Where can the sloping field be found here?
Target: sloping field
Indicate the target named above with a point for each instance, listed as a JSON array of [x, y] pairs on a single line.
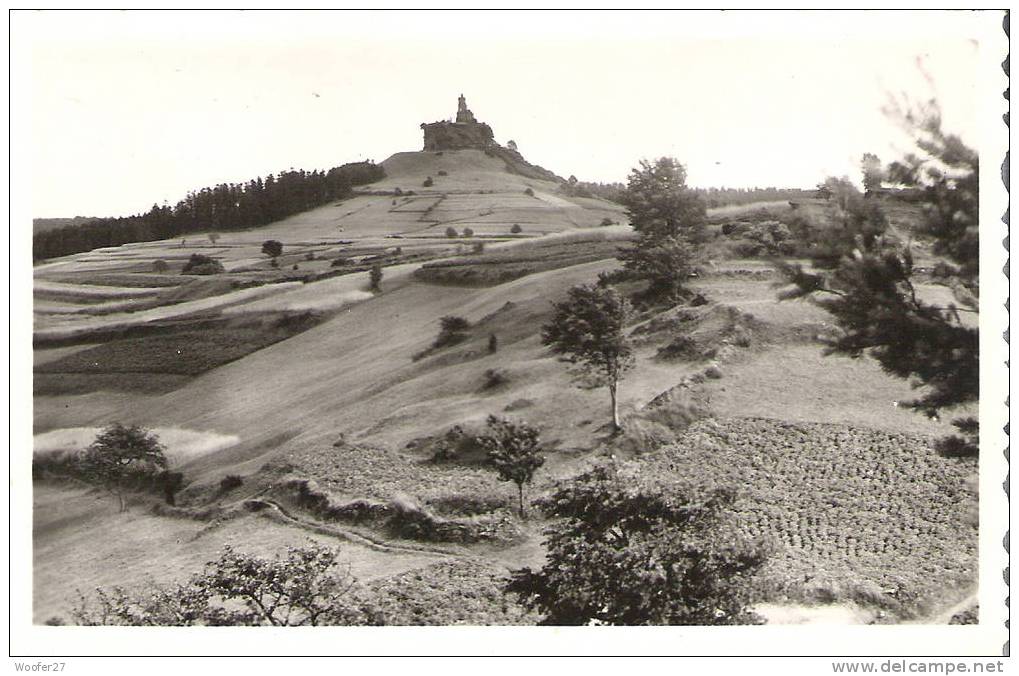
[[77, 533], [56, 327]]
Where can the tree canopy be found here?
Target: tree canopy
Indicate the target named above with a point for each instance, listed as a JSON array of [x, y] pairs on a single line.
[[306, 587], [119, 453], [669, 219], [622, 550], [871, 290]]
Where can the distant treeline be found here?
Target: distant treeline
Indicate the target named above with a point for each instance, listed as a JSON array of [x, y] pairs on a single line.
[[713, 197], [720, 197], [42, 224], [228, 206]]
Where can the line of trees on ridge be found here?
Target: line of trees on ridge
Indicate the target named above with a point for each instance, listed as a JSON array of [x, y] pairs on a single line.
[[227, 206]]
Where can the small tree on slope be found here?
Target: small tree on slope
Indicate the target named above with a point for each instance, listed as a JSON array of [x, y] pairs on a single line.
[[513, 450], [588, 328], [119, 453]]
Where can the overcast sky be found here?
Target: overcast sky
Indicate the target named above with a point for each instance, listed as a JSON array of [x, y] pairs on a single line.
[[128, 109]]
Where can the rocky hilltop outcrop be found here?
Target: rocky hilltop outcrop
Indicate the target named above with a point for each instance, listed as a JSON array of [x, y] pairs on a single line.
[[465, 132]]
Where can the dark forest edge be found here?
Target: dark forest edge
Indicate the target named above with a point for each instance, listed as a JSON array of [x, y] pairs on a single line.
[[227, 206]]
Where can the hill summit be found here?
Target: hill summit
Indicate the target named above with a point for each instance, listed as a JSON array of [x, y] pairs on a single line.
[[464, 132]]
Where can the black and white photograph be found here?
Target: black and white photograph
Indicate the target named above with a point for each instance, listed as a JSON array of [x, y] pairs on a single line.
[[539, 325]]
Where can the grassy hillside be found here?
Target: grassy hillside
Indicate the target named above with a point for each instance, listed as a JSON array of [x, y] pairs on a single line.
[[338, 399]]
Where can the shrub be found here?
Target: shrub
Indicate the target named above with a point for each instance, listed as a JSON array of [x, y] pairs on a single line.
[[451, 232], [529, 192], [477, 247], [375, 277], [494, 378], [230, 482], [518, 404], [456, 445], [468, 232], [468, 505], [443, 173], [681, 347], [202, 265], [713, 372], [412, 520], [606, 222], [310, 256], [516, 229], [160, 266], [272, 248], [428, 182], [493, 344], [453, 323], [452, 330]]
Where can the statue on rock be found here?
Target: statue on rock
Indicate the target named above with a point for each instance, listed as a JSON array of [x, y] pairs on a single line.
[[463, 113], [466, 132]]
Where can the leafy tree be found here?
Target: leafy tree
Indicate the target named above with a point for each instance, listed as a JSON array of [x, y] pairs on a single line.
[[451, 232], [514, 451], [668, 218], [468, 232], [272, 248], [588, 328], [375, 275], [666, 262], [624, 551], [120, 454], [659, 203], [516, 229], [428, 182], [873, 173], [304, 588], [159, 265], [875, 302]]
